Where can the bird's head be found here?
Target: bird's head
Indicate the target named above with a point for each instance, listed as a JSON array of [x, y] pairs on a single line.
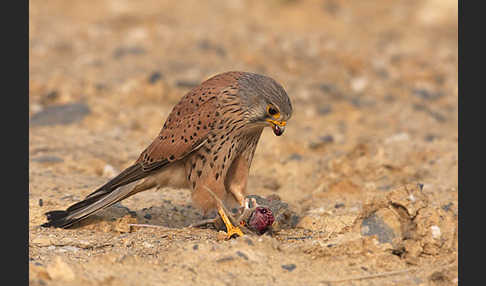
[[267, 103]]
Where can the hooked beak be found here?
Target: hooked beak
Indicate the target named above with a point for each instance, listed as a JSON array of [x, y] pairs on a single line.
[[277, 127]]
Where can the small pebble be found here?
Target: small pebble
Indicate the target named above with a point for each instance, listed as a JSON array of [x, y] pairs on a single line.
[[47, 159], [109, 171], [447, 207], [63, 114], [358, 84], [339, 205], [225, 259], [323, 140], [295, 157], [323, 110], [271, 184], [249, 241], [289, 267], [435, 231], [430, 137], [328, 88], [154, 77], [426, 94], [242, 255], [123, 51], [326, 139], [52, 95]]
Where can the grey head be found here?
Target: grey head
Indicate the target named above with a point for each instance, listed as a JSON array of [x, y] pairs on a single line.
[[266, 101]]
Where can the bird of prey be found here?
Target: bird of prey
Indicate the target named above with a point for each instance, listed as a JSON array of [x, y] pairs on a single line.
[[207, 142]]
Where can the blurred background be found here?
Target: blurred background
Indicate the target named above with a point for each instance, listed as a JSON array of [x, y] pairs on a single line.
[[374, 87]]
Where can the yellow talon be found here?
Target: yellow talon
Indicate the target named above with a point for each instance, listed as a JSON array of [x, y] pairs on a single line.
[[230, 229]]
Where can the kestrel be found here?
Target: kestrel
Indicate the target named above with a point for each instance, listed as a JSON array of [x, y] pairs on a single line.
[[207, 142]]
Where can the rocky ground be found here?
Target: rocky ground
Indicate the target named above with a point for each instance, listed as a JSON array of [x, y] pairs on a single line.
[[368, 163]]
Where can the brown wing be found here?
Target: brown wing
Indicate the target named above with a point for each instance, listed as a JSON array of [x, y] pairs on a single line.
[[182, 136], [189, 122]]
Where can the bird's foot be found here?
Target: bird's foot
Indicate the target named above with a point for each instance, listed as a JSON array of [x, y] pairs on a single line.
[[231, 230]]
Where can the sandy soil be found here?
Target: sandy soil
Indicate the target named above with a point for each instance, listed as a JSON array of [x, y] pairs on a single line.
[[368, 162]]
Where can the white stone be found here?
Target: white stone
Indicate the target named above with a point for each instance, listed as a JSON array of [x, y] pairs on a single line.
[[403, 136], [435, 231], [109, 171], [411, 198], [359, 84]]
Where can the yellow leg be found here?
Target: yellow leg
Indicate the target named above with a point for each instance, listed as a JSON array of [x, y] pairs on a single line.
[[231, 230]]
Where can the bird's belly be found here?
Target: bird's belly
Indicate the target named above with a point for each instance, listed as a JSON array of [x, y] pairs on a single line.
[[173, 176]]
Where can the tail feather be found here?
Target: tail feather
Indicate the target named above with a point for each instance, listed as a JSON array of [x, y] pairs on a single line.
[[85, 208], [55, 218], [110, 193], [130, 174]]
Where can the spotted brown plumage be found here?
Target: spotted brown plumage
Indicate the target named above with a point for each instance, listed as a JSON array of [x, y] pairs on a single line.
[[207, 141]]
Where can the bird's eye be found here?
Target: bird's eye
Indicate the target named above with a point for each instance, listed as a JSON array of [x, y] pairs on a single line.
[[273, 111]]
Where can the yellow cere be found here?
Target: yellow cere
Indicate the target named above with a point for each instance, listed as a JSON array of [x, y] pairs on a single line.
[[283, 123]]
